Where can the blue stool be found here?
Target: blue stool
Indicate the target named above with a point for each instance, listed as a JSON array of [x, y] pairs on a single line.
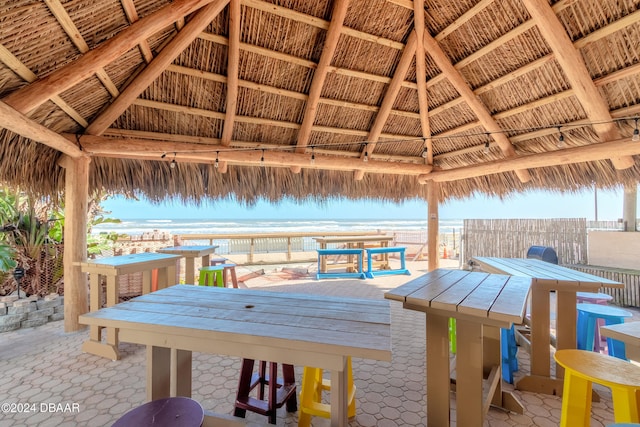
[[509, 352], [588, 314]]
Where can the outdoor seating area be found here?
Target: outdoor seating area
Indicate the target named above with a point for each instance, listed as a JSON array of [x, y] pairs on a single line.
[[390, 392]]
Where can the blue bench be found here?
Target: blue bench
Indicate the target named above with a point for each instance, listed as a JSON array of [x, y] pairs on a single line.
[[326, 252], [371, 273]]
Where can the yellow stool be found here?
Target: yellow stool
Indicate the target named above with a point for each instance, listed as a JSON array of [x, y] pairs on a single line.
[[212, 276], [311, 395], [582, 368]]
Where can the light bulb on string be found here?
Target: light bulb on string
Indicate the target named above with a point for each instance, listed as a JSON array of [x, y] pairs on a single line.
[[313, 156], [217, 162], [561, 143], [172, 165], [486, 148], [366, 153], [636, 133], [262, 158]]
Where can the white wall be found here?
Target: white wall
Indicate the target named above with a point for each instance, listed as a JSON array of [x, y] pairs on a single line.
[[614, 249]]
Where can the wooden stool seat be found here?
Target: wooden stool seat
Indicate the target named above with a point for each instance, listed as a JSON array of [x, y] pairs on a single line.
[[212, 276], [313, 385], [582, 368], [281, 391], [169, 412]]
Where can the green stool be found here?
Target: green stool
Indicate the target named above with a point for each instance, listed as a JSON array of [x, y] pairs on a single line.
[[452, 335], [211, 276]]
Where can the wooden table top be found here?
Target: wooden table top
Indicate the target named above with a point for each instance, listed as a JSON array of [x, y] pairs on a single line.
[[192, 251], [198, 315], [626, 332], [459, 293], [125, 264], [544, 272], [354, 239]]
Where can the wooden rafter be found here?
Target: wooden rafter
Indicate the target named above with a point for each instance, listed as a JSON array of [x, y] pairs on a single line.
[[198, 153], [576, 71], [480, 110], [72, 31], [331, 42], [190, 31], [17, 122], [132, 15], [585, 153], [387, 103], [421, 78], [232, 71], [26, 99], [27, 75]]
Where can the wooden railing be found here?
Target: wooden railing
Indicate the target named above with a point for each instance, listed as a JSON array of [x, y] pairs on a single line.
[[271, 240]]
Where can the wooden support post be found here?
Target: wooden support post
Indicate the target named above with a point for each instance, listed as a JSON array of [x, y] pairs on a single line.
[[433, 225], [75, 240], [629, 207]]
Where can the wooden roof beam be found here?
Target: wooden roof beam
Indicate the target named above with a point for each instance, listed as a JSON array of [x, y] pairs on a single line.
[[320, 74], [28, 98], [585, 153], [444, 63], [63, 18], [17, 122], [132, 15], [199, 153], [26, 74], [387, 103], [576, 71], [421, 78], [189, 33]]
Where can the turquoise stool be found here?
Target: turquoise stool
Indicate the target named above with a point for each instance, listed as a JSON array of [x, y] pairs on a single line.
[[212, 276], [588, 315], [595, 298]]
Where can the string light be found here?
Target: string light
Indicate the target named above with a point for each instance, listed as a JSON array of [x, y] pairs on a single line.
[[217, 163], [313, 155], [262, 158], [172, 165], [486, 148], [561, 143]]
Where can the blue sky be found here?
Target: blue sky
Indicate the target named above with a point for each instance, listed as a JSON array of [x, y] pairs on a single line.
[[531, 205]]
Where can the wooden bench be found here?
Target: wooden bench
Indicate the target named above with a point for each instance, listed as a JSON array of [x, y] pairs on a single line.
[[322, 269], [371, 273]]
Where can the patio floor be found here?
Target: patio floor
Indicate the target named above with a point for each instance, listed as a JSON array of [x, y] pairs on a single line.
[[44, 365]]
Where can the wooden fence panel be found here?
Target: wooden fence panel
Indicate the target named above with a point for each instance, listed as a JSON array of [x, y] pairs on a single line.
[[513, 238]]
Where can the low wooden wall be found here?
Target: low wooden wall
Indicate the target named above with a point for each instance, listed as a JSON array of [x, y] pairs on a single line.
[[630, 295]]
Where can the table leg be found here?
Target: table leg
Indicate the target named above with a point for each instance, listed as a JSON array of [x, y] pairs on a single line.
[[163, 277], [146, 282], [339, 396], [540, 380], [323, 259], [158, 372], [438, 401], [190, 270], [180, 373], [469, 375], [94, 345], [565, 324]]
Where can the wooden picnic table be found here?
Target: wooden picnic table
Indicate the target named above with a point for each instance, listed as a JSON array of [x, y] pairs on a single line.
[[297, 329], [481, 303], [352, 242], [190, 253], [112, 268], [547, 278], [629, 334]]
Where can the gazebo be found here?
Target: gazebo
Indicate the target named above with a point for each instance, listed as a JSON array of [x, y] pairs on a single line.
[[251, 99]]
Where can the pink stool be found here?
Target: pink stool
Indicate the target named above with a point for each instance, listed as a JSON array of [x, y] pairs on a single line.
[[595, 298]]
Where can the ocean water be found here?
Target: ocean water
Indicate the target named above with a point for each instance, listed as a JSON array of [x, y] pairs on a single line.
[[249, 226]]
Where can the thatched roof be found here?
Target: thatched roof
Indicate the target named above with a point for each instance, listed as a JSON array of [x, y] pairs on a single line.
[[320, 99]]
